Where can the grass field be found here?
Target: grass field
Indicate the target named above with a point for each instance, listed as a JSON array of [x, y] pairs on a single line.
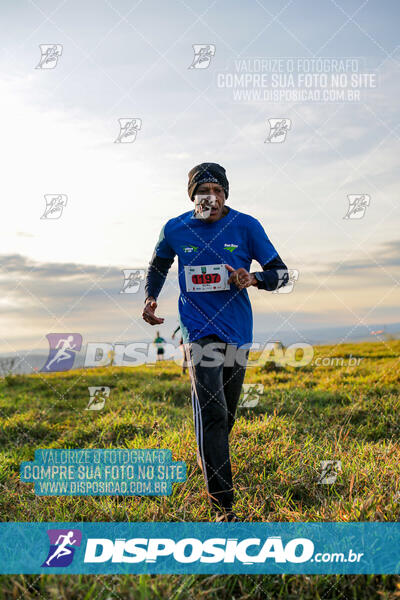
[[306, 415]]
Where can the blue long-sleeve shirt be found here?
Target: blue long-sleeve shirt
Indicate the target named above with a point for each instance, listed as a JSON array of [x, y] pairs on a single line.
[[236, 239]]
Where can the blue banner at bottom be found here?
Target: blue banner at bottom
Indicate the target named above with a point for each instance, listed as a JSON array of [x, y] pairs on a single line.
[[208, 548]]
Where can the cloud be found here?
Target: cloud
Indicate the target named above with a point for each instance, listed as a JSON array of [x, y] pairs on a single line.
[[42, 297], [386, 258]]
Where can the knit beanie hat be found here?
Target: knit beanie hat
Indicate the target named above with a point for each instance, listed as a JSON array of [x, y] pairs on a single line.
[[206, 173]]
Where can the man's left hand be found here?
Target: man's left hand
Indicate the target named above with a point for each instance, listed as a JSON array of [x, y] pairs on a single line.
[[241, 278]]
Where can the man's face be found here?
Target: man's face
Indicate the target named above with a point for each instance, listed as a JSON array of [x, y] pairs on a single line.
[[218, 191]]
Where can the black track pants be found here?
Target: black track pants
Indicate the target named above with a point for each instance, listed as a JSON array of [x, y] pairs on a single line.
[[216, 385]]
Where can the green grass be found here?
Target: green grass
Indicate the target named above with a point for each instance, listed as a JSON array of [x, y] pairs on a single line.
[[305, 415]]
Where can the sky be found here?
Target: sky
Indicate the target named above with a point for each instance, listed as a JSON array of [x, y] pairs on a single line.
[[131, 60]]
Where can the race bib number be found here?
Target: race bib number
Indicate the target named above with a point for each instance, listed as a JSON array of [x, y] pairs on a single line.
[[207, 278]]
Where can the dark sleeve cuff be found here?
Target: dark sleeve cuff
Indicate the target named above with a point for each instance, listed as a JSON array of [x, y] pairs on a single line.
[[274, 275]]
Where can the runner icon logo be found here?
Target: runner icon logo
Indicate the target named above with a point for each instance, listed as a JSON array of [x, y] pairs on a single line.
[[290, 277], [357, 206], [202, 56], [55, 204], [98, 397], [50, 54], [132, 280], [128, 129], [62, 547], [251, 395], [329, 471], [278, 129], [62, 351]]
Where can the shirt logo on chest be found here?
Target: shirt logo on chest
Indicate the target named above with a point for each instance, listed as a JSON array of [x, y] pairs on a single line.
[[230, 247], [188, 248]]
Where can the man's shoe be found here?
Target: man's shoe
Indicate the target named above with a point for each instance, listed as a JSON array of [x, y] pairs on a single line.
[[226, 517]]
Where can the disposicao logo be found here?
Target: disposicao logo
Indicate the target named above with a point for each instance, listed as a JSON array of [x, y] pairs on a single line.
[[190, 550], [62, 547], [63, 347]]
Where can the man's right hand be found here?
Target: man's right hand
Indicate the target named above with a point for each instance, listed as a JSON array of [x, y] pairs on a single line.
[[149, 312]]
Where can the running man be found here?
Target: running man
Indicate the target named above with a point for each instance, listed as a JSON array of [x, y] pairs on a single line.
[[159, 344], [62, 353], [62, 549], [215, 245]]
